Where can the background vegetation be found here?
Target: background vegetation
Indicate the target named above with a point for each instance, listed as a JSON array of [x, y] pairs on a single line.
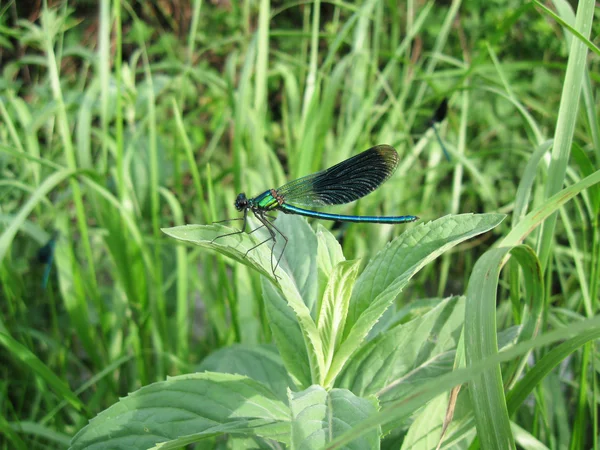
[[120, 118]]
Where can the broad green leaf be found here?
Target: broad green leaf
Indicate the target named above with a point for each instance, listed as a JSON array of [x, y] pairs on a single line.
[[289, 307], [391, 269], [248, 311], [240, 427], [414, 309], [294, 301], [246, 443], [407, 383], [417, 350], [287, 334], [319, 416], [393, 317], [284, 311], [298, 293], [429, 423], [234, 246], [334, 307], [300, 256], [329, 254], [262, 363], [199, 404]]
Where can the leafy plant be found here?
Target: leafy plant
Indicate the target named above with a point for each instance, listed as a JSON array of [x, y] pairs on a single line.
[[321, 312]]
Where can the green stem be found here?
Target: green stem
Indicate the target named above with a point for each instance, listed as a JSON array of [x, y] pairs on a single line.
[[565, 125]]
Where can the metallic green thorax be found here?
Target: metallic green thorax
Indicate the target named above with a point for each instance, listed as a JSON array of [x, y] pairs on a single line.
[[266, 201]]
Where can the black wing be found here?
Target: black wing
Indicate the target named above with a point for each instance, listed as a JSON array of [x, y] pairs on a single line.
[[345, 182], [440, 113]]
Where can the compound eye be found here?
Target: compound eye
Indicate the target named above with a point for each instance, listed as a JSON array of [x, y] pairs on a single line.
[[241, 202]]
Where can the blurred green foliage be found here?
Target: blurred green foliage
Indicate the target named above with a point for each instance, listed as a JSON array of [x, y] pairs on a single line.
[[160, 112]]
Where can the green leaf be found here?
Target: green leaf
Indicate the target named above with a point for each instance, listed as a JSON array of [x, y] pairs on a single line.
[[419, 396], [389, 365], [523, 194], [334, 307], [568, 26], [525, 439], [11, 436], [300, 257], [586, 166], [391, 269], [72, 289], [529, 263], [487, 390], [319, 416], [34, 429], [424, 432], [47, 185], [428, 421], [566, 119], [546, 365], [23, 354], [287, 334], [262, 363], [190, 405], [234, 246], [248, 310], [532, 220], [238, 427], [329, 254], [294, 329], [5, 43], [246, 443], [294, 302]]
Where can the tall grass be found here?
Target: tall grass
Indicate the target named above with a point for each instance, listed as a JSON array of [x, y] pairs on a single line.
[[118, 121]]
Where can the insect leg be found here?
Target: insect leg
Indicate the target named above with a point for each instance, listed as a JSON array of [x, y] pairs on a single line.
[[265, 224], [272, 228], [284, 245], [245, 219], [228, 220], [262, 226], [258, 245], [256, 229], [263, 219]]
